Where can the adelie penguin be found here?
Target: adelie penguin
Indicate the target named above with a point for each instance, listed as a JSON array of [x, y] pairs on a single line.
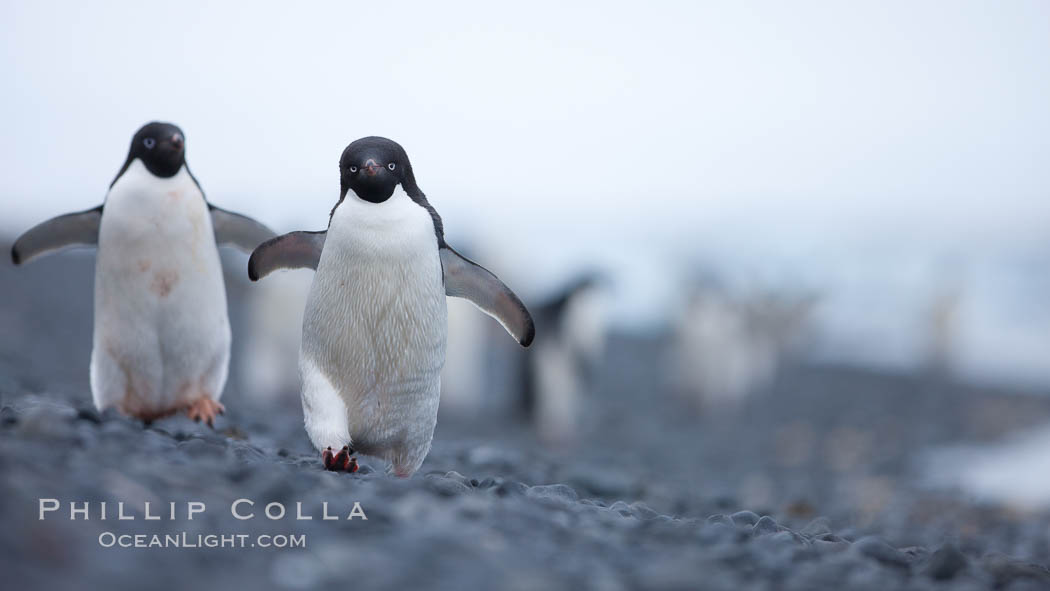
[[375, 324], [162, 337]]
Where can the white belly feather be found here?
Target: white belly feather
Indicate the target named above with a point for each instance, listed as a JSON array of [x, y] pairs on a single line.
[[374, 332], [161, 336]]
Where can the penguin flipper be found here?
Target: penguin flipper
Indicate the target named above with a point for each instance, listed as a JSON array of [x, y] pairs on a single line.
[[466, 279], [295, 250], [240, 231], [65, 231]]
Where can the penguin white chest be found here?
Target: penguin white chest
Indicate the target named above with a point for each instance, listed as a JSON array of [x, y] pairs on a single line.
[[161, 335], [374, 329]]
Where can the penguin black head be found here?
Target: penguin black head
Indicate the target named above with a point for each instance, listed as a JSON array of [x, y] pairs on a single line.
[[373, 167], [160, 146]]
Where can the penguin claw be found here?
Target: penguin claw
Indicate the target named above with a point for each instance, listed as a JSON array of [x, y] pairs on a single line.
[[342, 461], [206, 409]]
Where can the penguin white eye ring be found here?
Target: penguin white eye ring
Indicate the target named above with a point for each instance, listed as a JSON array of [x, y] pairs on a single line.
[[149, 143], [353, 169], [391, 166]]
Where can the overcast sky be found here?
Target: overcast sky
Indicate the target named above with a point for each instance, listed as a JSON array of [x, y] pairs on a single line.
[[823, 131], [551, 115]]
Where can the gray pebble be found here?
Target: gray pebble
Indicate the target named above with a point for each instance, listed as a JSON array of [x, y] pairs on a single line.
[[765, 526], [605, 483], [447, 487], [1025, 585], [154, 441], [718, 533], [643, 511], [46, 421], [877, 548], [915, 553], [945, 563], [745, 518], [8, 416], [720, 518], [787, 538], [453, 475], [89, 414], [119, 427], [112, 414], [817, 527], [560, 492], [1006, 569], [489, 482], [200, 448], [825, 547], [510, 488], [247, 453]]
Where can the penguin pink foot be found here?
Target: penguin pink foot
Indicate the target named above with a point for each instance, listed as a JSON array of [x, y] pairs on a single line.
[[205, 409], [339, 462]]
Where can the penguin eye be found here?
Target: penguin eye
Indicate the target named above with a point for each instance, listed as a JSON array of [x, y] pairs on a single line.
[[391, 166], [149, 143], [353, 169]]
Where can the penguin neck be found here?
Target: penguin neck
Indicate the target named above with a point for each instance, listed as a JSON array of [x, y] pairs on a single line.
[[381, 225], [138, 175]]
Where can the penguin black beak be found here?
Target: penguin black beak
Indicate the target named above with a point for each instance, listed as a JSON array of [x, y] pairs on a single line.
[[176, 141], [371, 168]]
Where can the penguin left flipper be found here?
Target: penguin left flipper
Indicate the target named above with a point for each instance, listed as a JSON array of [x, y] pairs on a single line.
[[295, 250], [234, 229], [466, 279], [65, 231]]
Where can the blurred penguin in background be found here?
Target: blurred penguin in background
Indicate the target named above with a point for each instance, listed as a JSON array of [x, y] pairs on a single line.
[[475, 365], [468, 370], [560, 372], [944, 316], [273, 336], [546, 387], [728, 345]]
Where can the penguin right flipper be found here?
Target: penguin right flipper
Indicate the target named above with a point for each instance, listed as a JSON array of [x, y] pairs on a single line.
[[295, 250], [466, 279], [238, 230], [65, 231]]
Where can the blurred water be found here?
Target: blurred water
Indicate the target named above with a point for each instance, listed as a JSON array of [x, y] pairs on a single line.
[[1014, 472]]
